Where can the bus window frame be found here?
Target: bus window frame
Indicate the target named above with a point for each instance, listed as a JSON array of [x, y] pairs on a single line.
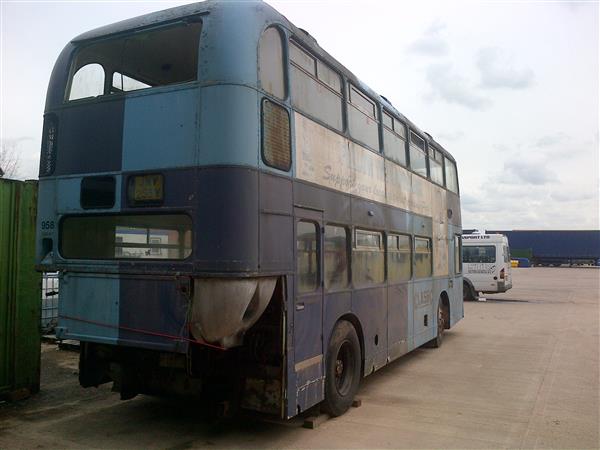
[[384, 127], [411, 131], [107, 96], [348, 229], [382, 248], [285, 60], [342, 94], [129, 260]]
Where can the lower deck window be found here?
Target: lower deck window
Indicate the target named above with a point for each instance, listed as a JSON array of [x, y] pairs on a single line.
[[336, 257], [399, 258], [368, 258], [307, 254], [165, 236], [423, 268]]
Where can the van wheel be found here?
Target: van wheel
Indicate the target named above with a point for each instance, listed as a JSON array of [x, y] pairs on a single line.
[[436, 342], [467, 293], [342, 372]]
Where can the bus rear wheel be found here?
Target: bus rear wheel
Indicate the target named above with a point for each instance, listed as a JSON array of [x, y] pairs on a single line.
[[442, 317], [342, 375], [467, 293]]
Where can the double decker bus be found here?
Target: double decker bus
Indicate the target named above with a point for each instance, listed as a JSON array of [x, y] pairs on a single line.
[[235, 216]]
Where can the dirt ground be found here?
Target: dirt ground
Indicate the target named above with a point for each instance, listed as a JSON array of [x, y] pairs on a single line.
[[520, 371]]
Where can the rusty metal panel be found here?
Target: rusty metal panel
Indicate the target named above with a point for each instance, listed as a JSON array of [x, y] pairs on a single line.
[[20, 291]]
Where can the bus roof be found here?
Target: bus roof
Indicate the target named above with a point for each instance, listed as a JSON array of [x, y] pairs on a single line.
[[478, 238]]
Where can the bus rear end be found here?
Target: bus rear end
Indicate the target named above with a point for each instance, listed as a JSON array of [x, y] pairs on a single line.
[[157, 279]]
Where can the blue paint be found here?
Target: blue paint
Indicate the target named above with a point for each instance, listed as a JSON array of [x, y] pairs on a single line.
[[230, 131], [160, 130], [93, 298]]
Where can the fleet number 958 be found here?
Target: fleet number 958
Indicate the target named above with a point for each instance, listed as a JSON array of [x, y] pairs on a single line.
[[47, 224]]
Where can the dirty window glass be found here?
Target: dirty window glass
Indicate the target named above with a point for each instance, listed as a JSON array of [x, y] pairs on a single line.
[[153, 58], [451, 177], [270, 63], [457, 254], [394, 143], [418, 161], [423, 266], [318, 96], [399, 258], [165, 236], [437, 174], [336, 257], [368, 258], [88, 81], [362, 119], [307, 256]]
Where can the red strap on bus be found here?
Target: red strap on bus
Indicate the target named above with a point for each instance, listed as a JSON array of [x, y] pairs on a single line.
[[140, 331]]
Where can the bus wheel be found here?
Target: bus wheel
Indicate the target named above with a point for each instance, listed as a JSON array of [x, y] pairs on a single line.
[[436, 342], [467, 293], [342, 374]]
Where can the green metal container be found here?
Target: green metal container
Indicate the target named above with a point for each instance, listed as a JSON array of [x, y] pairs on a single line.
[[521, 253], [20, 285]]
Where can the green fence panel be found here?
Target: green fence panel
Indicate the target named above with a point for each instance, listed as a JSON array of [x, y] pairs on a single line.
[[20, 293]]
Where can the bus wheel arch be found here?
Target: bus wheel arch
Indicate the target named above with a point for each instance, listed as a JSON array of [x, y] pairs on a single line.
[[359, 331], [469, 293]]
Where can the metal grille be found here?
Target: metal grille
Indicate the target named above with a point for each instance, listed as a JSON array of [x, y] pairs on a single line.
[[49, 301], [277, 150]]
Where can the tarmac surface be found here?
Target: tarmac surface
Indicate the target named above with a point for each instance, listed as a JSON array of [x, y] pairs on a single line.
[[521, 370]]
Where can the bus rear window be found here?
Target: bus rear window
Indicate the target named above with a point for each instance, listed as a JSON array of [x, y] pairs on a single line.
[[479, 254], [165, 236], [138, 61]]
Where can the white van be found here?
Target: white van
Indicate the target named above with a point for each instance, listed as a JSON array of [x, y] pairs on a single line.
[[486, 264]]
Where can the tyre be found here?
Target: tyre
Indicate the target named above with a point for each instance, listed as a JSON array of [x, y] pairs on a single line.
[[342, 371], [467, 293], [442, 317]]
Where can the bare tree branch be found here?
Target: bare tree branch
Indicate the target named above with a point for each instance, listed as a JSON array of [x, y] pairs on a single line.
[[9, 159]]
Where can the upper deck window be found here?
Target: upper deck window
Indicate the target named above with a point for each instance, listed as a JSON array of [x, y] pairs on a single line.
[[451, 176], [394, 139], [316, 88], [418, 158], [435, 166], [141, 60], [270, 62], [362, 118]]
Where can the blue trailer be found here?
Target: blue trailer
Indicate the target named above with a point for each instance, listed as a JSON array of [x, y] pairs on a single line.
[[556, 247]]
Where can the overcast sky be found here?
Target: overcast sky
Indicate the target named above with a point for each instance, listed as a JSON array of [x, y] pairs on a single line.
[[509, 88]]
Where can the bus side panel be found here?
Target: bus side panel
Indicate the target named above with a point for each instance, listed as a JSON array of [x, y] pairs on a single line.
[[276, 223], [424, 318], [290, 385], [398, 323], [229, 127], [227, 218], [370, 306], [152, 314]]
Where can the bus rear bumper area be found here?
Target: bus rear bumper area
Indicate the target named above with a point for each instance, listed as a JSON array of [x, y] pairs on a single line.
[[179, 336], [162, 313]]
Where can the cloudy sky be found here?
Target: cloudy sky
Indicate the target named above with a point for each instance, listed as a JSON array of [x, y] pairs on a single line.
[[509, 88]]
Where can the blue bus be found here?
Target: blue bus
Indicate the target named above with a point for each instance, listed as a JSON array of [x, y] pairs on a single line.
[[236, 217]]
